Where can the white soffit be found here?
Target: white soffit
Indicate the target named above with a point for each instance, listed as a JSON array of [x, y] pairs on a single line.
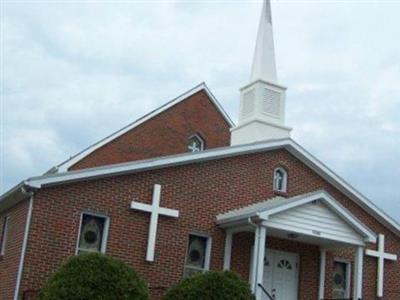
[[63, 167]]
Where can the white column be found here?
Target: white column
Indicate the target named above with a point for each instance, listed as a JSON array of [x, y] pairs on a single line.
[[260, 261], [253, 275], [322, 271], [358, 273], [228, 250]]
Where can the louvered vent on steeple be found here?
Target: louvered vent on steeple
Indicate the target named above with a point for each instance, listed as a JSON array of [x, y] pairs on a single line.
[[271, 102], [248, 103]]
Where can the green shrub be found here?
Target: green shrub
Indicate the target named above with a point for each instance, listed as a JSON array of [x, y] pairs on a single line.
[[94, 277], [211, 286]]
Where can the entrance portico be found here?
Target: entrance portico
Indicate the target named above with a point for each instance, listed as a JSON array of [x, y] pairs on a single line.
[[315, 219]]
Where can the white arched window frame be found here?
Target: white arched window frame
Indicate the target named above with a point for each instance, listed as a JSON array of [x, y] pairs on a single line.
[[195, 143], [280, 180]]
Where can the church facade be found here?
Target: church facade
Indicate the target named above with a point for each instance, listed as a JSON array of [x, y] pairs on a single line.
[[183, 191]]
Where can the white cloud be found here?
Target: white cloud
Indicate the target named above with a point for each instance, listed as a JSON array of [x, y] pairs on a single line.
[[75, 72]]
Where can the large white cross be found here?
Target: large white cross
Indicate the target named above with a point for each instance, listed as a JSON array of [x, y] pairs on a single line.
[[155, 210], [381, 255]]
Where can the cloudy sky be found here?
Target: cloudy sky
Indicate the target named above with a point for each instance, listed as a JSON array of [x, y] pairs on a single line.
[[75, 71]]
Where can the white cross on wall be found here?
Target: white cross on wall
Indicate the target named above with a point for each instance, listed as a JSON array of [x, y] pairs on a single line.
[[155, 210], [381, 255]]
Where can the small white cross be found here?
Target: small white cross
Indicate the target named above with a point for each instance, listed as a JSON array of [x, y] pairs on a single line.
[[155, 210], [193, 147], [381, 255]]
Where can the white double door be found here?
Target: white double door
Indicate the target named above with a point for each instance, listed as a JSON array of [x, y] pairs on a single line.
[[281, 274]]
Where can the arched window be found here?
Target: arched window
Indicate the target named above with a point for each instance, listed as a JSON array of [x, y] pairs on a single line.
[[280, 180], [195, 144]]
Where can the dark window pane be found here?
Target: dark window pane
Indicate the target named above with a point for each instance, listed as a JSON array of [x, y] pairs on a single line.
[[196, 251], [339, 280]]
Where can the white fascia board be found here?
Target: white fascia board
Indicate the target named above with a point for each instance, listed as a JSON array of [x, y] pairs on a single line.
[[63, 167], [218, 153]]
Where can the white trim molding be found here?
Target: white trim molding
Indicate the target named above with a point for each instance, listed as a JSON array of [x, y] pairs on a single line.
[[64, 166]]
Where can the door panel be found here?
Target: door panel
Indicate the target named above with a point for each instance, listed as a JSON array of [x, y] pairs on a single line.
[[267, 279], [281, 275]]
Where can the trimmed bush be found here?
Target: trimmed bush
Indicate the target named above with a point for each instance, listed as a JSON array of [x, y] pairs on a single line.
[[211, 286], [92, 277]]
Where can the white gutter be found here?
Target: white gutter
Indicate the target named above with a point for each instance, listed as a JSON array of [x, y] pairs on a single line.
[[23, 250], [150, 164]]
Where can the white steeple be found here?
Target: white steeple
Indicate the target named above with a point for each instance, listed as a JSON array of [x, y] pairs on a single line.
[[264, 54], [262, 101]]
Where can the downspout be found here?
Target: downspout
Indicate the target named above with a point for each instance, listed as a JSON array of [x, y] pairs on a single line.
[[25, 191]]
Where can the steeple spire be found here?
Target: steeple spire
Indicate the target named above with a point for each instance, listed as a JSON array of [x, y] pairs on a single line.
[[264, 67], [262, 101]]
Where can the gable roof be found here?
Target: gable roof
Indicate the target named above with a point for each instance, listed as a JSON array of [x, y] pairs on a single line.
[[213, 154], [263, 210], [64, 166]]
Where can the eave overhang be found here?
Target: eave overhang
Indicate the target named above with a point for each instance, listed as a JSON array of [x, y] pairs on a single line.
[[18, 193], [214, 154]]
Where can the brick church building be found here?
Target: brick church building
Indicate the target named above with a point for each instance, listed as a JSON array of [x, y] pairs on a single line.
[[183, 190]]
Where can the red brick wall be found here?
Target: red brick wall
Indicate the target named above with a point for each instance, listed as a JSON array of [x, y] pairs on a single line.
[[200, 192], [165, 134], [10, 261]]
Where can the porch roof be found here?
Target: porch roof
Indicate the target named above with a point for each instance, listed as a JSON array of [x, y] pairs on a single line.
[[279, 213]]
